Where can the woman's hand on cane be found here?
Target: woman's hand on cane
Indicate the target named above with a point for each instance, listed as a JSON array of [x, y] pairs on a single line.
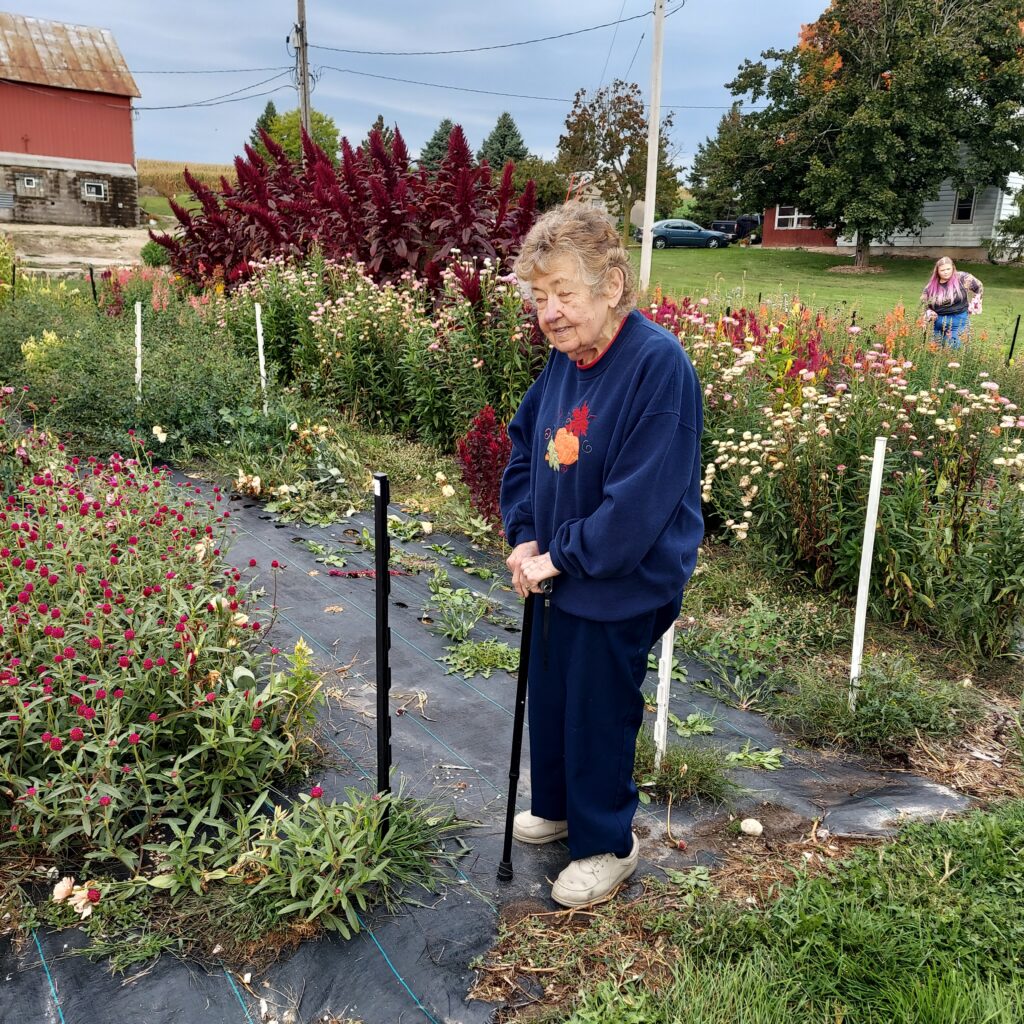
[[528, 549], [534, 571]]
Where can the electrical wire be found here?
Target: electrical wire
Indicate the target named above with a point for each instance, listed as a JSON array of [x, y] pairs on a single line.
[[213, 100], [218, 103], [149, 71], [438, 85], [478, 49], [611, 46]]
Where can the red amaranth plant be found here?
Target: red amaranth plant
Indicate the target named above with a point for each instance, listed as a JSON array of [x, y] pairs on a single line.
[[484, 453], [373, 206]]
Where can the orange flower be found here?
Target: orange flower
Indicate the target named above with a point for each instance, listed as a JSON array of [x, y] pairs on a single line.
[[567, 447]]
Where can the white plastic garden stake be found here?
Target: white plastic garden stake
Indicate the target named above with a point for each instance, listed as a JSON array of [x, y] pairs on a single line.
[[259, 350], [866, 554], [664, 687], [138, 351]]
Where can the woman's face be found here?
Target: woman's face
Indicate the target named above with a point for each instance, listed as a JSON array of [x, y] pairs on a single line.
[[573, 320], [944, 268]]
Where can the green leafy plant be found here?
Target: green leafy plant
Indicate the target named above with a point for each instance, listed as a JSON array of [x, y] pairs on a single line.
[[458, 609], [481, 658], [748, 757], [695, 724], [687, 772], [895, 704]]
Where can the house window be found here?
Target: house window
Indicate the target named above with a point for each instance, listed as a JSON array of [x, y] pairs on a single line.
[[29, 182], [94, 190], [790, 218], [963, 210]]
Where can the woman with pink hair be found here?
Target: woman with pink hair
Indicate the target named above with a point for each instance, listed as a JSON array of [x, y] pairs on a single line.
[[949, 297]]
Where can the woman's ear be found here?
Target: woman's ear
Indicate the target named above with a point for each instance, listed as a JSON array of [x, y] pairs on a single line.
[[616, 286]]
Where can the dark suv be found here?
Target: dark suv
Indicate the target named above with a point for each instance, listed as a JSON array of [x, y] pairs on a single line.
[[748, 224]]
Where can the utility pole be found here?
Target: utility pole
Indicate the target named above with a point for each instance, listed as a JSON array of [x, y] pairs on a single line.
[[653, 127], [302, 66]]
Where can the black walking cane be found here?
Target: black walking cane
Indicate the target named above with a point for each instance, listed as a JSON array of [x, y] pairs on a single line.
[[505, 867]]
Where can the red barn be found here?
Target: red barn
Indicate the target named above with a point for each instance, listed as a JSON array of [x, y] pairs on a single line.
[[67, 155]]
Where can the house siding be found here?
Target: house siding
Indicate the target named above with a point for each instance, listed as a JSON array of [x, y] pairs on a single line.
[[793, 238]]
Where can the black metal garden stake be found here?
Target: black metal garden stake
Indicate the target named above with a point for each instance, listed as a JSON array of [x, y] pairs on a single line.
[[382, 552], [92, 284], [1013, 341]]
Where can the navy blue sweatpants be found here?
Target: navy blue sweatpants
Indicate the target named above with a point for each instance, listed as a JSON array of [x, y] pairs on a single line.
[[585, 712]]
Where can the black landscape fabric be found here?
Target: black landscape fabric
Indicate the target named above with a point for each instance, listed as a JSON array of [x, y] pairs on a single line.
[[451, 743]]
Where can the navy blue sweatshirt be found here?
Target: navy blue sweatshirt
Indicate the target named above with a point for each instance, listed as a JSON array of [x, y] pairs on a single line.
[[605, 474]]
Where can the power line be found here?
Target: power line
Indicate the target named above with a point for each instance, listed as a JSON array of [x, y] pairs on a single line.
[[611, 46], [147, 71], [635, 52], [438, 85], [480, 49], [213, 101], [218, 103]]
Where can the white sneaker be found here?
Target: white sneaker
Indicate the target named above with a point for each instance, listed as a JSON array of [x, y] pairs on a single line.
[[593, 878], [528, 828]]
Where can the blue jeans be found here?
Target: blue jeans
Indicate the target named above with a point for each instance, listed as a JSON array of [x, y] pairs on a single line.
[[949, 328]]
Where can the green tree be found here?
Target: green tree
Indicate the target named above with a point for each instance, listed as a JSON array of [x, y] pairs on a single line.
[[548, 178], [717, 194], [878, 103], [388, 134], [437, 146], [503, 144], [287, 133], [264, 121], [606, 134]]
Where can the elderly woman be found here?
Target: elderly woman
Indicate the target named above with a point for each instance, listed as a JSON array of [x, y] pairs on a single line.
[[949, 297], [601, 496]]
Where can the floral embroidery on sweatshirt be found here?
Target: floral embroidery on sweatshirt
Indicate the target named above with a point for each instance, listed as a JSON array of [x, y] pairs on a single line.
[[564, 447]]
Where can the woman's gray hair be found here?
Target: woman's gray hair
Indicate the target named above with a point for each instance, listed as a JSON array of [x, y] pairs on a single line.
[[585, 235]]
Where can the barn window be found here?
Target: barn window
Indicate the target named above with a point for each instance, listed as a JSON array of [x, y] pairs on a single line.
[[28, 185], [94, 190], [963, 211]]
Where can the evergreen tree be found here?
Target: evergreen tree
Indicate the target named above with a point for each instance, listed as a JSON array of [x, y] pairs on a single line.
[[437, 146], [264, 121], [503, 144], [387, 134]]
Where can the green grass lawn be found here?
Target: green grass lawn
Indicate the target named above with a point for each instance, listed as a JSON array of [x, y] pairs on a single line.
[[739, 274], [159, 207]]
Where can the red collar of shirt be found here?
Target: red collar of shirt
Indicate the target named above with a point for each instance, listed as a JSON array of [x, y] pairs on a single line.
[[588, 366]]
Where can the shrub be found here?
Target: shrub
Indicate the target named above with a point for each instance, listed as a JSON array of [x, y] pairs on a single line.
[[154, 255], [485, 350], [791, 420], [484, 453], [895, 705], [189, 375], [129, 688], [38, 306], [375, 207]]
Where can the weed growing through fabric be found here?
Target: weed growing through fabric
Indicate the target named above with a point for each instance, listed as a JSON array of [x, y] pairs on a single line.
[[695, 724], [687, 772], [481, 658], [895, 705], [458, 609], [747, 757], [678, 672]]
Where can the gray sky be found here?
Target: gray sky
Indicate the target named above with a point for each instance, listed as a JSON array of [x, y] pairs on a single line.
[[705, 42]]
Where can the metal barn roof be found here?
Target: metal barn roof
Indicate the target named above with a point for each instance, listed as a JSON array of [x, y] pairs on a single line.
[[62, 56]]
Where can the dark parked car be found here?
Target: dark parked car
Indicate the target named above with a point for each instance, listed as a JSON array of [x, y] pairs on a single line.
[[684, 232], [749, 225]]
